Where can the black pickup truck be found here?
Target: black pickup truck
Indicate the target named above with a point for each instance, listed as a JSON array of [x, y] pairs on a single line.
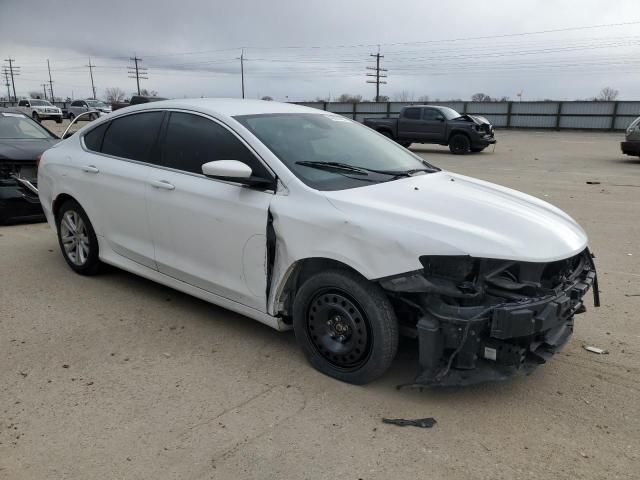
[[434, 124]]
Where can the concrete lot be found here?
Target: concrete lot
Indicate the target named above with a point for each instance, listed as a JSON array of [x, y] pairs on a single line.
[[117, 377]]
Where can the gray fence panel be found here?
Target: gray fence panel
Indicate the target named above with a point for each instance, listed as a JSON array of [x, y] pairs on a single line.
[[623, 122], [372, 107], [340, 107], [588, 108], [497, 120], [319, 105], [533, 121], [361, 116], [487, 108], [629, 108], [585, 122], [548, 108]]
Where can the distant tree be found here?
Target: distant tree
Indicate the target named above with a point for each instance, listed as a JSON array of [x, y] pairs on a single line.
[[480, 97], [403, 96], [503, 99], [348, 98], [607, 94], [321, 99], [114, 94], [148, 93], [267, 98], [423, 98], [35, 94], [383, 98]]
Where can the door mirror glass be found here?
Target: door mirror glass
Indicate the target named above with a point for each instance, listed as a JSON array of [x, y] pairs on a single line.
[[227, 169]]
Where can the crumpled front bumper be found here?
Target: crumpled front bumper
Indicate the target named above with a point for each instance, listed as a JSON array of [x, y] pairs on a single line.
[[505, 340]]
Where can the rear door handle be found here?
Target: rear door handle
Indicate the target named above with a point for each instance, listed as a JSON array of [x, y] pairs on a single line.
[[162, 184], [90, 169]]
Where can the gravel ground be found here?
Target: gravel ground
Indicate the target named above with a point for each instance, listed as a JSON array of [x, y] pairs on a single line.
[[117, 377]]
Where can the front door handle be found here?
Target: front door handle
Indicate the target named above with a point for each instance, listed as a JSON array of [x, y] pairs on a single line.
[[162, 184], [90, 169]]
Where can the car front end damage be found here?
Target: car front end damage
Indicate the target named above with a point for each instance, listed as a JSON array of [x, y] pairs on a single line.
[[479, 319]]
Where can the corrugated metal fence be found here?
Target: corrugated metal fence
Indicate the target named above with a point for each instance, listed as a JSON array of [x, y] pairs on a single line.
[[554, 115]]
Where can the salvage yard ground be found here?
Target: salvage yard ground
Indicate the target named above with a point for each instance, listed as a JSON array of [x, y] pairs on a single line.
[[117, 377]]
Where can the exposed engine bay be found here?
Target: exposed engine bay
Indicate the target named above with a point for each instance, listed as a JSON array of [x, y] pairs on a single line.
[[480, 319]]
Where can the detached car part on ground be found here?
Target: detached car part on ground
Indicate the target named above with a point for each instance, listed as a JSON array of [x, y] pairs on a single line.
[[631, 145], [303, 219], [439, 125], [22, 141]]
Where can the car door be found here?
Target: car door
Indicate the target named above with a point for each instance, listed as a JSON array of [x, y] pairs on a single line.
[[411, 125], [111, 180], [207, 232], [433, 124]]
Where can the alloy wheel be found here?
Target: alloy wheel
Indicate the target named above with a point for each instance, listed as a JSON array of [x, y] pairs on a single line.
[[74, 237]]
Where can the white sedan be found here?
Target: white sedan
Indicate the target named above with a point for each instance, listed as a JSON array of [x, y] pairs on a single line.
[[303, 219]]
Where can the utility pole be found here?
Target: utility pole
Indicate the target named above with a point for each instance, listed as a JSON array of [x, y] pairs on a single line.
[[93, 87], [13, 71], [5, 72], [137, 71], [50, 81], [242, 69], [44, 89], [377, 73]]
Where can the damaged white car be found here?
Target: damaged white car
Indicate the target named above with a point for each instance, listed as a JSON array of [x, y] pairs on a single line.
[[303, 219]]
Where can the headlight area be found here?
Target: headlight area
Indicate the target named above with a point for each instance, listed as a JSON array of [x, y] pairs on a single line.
[[480, 319]]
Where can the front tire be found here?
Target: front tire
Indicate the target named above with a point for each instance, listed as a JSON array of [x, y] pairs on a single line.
[[345, 326], [459, 144], [77, 239]]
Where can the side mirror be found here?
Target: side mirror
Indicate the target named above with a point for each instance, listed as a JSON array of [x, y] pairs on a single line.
[[234, 171], [440, 119]]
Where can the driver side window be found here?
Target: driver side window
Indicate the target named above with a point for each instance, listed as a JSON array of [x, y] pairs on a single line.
[[191, 141]]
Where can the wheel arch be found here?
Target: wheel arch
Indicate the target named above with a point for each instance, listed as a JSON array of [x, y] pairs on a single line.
[[297, 273], [59, 201], [456, 132]]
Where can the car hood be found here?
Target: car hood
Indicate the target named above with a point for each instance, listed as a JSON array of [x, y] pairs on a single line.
[[445, 213], [477, 119], [23, 150]]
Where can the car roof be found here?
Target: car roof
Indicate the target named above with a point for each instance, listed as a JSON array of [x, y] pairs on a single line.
[[225, 106]]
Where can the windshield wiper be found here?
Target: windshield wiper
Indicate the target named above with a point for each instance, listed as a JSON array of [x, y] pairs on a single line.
[[343, 167]]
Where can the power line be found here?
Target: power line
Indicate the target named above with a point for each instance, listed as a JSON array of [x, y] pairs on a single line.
[[93, 87], [137, 72], [377, 73]]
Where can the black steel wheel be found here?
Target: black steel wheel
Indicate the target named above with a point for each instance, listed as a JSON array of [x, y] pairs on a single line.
[[345, 325], [338, 329], [459, 144]]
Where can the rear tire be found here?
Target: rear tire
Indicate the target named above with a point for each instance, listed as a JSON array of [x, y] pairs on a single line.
[[387, 134], [71, 116], [459, 144], [77, 239], [59, 120], [345, 326], [36, 117]]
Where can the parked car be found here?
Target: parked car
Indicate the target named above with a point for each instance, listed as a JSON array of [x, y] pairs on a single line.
[[22, 141], [81, 106], [40, 110], [439, 125], [136, 100], [631, 145], [302, 219]]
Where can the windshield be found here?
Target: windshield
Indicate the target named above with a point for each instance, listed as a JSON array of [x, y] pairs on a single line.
[[19, 127], [40, 103], [96, 103], [449, 113], [305, 142]]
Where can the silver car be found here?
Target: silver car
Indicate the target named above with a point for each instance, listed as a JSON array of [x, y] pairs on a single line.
[[78, 107]]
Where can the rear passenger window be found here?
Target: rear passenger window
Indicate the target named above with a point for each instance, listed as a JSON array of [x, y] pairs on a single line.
[[93, 139], [412, 113], [192, 140], [132, 136]]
